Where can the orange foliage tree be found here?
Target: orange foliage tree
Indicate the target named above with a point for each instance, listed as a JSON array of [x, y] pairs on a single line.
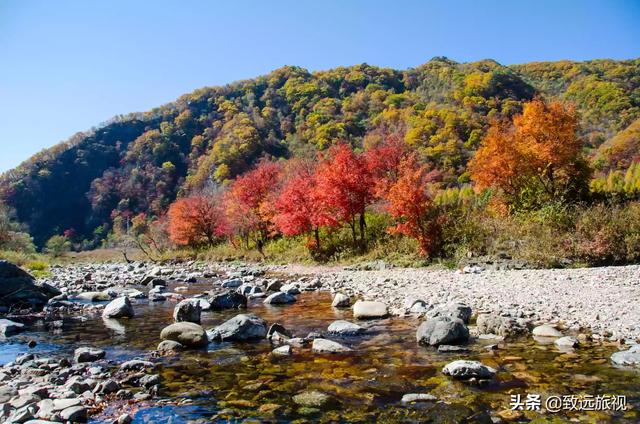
[[196, 220], [536, 158], [411, 204]]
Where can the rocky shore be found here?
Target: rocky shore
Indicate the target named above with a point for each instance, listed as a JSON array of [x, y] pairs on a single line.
[[603, 300], [564, 308]]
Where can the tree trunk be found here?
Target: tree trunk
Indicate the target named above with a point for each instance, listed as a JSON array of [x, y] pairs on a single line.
[[316, 233], [363, 226]]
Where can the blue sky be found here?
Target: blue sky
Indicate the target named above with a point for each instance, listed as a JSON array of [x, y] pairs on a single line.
[[69, 65]]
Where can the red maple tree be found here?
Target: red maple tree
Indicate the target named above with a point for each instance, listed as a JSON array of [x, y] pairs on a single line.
[[345, 186], [300, 206]]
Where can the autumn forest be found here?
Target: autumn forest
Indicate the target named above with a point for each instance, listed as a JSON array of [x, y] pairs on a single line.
[[443, 162]]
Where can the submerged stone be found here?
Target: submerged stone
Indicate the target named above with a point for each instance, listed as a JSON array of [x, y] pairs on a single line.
[[465, 370]]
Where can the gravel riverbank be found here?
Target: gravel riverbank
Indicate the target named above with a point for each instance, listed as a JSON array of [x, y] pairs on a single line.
[[604, 300]]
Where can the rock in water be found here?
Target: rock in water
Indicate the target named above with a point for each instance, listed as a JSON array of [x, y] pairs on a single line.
[[19, 289], [9, 328], [279, 298], [493, 323], [442, 330], [312, 399], [87, 354], [118, 308], [418, 397], [93, 296], [341, 300], [369, 310], [188, 310], [546, 331], [453, 310], [465, 370], [229, 300], [239, 328], [186, 333], [566, 342], [627, 357], [328, 346], [170, 346], [282, 351], [345, 328]]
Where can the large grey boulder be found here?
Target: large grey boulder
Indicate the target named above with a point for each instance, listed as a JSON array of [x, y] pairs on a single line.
[[465, 370], [18, 289], [186, 333], [279, 298], [345, 328], [630, 356], [239, 328], [118, 308], [442, 330], [369, 310], [453, 310], [188, 310], [229, 300]]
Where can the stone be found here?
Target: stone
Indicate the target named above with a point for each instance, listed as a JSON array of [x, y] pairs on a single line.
[[232, 283], [229, 300], [239, 328], [149, 380], [282, 351], [60, 404], [369, 310], [277, 328], [566, 342], [186, 333], [442, 330], [465, 370], [328, 346], [18, 288], [88, 354], [291, 288], [345, 328], [188, 310], [450, 348], [546, 331], [505, 326], [453, 310], [170, 346], [93, 296], [124, 419], [274, 286], [312, 399], [341, 300], [418, 307], [418, 397], [118, 308], [135, 365], [76, 414], [9, 328], [630, 356], [279, 298]]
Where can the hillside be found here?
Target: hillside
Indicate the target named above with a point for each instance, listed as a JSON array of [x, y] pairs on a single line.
[[141, 162]]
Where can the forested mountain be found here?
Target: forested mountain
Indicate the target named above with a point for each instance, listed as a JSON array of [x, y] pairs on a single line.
[[139, 163]]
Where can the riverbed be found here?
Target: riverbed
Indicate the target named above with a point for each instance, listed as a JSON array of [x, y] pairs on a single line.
[[233, 381]]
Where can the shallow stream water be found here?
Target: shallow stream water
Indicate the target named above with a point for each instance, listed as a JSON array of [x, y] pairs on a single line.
[[243, 382]]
